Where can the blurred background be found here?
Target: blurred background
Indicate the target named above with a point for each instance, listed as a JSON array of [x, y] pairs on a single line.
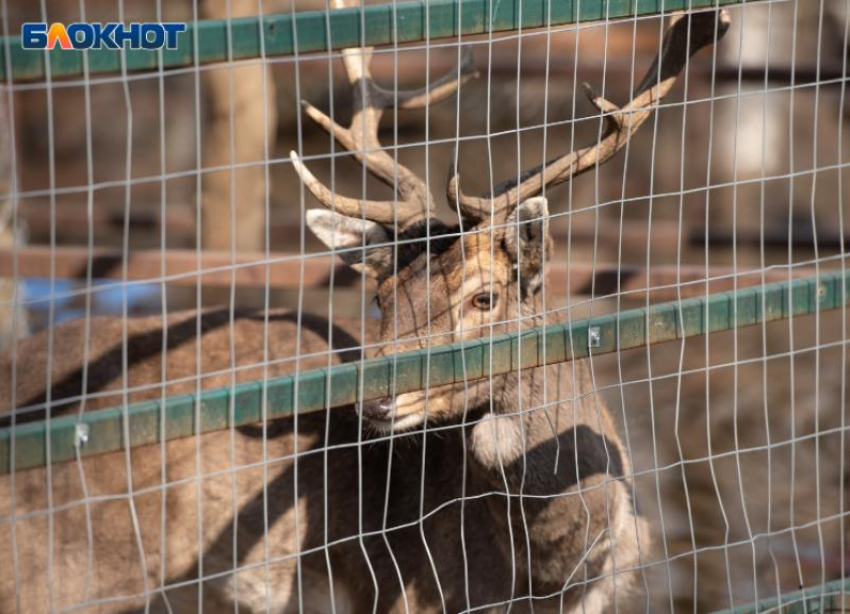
[[738, 440]]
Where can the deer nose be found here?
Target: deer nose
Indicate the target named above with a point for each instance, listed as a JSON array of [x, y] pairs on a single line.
[[380, 409]]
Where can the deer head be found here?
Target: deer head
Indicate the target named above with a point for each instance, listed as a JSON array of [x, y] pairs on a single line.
[[439, 283]]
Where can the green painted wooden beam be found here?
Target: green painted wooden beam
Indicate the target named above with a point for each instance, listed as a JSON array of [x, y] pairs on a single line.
[[409, 371], [830, 598], [311, 31]]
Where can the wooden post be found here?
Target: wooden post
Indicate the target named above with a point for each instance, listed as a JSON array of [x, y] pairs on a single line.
[[245, 96], [14, 323]]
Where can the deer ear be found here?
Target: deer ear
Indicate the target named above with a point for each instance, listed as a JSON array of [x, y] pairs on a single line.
[[366, 245], [527, 241]]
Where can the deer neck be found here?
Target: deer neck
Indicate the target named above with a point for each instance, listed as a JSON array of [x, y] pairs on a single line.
[[518, 418], [540, 455], [539, 414], [524, 410]]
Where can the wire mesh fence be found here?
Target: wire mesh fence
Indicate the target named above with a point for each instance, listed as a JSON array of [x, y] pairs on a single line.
[[529, 306]]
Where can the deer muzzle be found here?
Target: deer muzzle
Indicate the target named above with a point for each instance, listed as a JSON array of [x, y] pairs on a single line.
[[378, 409], [394, 414]]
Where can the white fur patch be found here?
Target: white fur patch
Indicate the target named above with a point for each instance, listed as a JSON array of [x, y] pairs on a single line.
[[497, 441]]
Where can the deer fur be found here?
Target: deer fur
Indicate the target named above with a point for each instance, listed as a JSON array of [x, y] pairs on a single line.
[[508, 493], [166, 359], [521, 499]]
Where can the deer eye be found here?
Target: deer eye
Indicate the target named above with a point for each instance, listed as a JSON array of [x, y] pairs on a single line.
[[485, 301]]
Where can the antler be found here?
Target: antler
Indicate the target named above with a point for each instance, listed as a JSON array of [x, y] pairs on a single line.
[[361, 137], [686, 35]]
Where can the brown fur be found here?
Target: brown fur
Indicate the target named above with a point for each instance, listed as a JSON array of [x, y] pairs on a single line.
[[151, 372], [494, 497]]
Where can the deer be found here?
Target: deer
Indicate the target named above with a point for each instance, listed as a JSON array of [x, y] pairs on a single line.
[[485, 495]]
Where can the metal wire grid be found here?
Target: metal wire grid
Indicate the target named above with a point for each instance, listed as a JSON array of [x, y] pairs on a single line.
[[619, 389]]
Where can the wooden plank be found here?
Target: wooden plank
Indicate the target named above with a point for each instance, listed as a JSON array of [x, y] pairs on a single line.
[[70, 224], [71, 220], [178, 266], [288, 270]]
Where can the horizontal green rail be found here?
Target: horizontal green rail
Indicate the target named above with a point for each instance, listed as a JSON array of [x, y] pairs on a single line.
[[311, 31], [376, 378], [831, 598]]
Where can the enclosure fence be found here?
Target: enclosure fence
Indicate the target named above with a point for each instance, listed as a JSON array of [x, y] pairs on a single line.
[[248, 365]]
